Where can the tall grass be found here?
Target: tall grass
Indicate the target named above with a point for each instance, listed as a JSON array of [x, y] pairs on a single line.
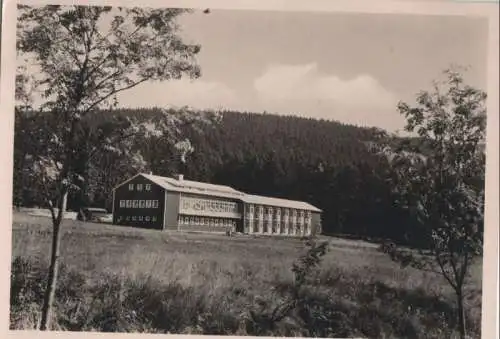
[[117, 279]]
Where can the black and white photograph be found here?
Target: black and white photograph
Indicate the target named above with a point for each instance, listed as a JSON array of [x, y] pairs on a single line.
[[266, 171]]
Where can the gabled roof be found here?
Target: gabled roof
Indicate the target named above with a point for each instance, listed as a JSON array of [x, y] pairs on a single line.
[[285, 203], [196, 187]]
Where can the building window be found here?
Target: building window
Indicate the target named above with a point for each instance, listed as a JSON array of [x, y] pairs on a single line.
[[130, 187], [139, 187], [140, 218], [122, 203], [197, 205], [148, 187], [147, 218], [153, 219], [134, 218], [142, 204], [155, 203], [135, 203], [148, 204], [127, 218]]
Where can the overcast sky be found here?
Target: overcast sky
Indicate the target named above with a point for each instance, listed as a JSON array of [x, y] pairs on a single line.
[[348, 67], [352, 68]]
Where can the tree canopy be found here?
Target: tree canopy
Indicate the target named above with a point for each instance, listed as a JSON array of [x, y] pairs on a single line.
[[78, 59]]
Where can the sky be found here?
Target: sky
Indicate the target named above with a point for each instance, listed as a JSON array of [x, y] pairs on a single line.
[[349, 67]]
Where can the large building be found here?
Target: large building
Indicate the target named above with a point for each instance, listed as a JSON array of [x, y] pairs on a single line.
[[150, 201]]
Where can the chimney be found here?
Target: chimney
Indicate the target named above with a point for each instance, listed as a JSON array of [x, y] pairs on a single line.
[[180, 177]]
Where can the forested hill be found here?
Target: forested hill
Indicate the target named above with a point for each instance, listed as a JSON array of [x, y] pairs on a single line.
[[279, 156], [323, 162], [326, 163]]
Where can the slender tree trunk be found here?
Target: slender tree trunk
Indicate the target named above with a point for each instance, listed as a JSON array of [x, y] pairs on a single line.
[[50, 290], [461, 314]]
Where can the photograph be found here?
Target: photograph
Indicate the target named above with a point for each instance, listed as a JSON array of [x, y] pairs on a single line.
[[249, 171]]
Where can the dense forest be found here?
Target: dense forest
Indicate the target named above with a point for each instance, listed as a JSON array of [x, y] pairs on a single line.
[[326, 163]]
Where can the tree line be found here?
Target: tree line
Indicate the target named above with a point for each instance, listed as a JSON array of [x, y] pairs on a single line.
[[326, 163]]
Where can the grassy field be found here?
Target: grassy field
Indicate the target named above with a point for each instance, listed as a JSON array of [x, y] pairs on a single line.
[[122, 279]]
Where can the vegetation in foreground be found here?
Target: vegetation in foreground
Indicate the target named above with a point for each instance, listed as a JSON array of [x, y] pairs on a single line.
[[126, 280]]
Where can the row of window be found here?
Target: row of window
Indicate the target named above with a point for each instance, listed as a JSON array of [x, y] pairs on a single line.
[[139, 187], [277, 229], [196, 204], [206, 221], [138, 218], [277, 211], [278, 224], [278, 219], [139, 203]]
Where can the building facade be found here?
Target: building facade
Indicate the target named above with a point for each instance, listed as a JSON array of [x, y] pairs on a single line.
[[162, 203]]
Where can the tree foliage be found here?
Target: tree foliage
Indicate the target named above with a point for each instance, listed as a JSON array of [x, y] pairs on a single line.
[[325, 163], [83, 57], [440, 180]]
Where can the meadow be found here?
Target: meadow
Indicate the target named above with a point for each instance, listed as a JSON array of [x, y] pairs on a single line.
[[118, 279]]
